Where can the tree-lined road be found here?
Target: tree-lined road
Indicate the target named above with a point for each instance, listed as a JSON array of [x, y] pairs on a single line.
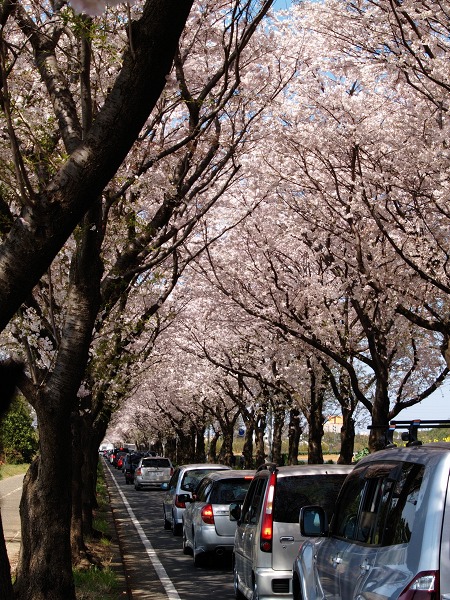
[[10, 492], [155, 565]]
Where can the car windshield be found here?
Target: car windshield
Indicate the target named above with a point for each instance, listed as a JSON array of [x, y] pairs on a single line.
[[160, 463]]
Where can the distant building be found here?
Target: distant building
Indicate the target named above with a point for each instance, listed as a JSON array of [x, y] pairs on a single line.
[[333, 424]]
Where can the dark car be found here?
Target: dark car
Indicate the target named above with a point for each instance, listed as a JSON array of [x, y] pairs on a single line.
[[130, 464]]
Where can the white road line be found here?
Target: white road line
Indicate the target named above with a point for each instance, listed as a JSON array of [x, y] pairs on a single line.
[[160, 570], [9, 493]]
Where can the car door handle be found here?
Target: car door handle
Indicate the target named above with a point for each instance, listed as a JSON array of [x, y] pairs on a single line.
[[287, 538]]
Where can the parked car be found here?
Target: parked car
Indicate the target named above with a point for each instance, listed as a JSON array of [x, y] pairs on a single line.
[[184, 480], [152, 471], [267, 530], [206, 521], [389, 535], [129, 466]]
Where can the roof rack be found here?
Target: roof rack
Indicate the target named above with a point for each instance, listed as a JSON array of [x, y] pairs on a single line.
[[410, 436], [269, 466]]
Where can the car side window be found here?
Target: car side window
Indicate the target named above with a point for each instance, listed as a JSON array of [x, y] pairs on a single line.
[[174, 479], [203, 489], [377, 505], [253, 501], [346, 515]]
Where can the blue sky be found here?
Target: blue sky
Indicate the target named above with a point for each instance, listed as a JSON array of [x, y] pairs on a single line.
[[280, 4], [435, 407]]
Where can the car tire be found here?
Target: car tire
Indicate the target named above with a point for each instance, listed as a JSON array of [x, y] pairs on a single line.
[[255, 594], [167, 523], [126, 481], [237, 592], [137, 487], [199, 557], [176, 527], [186, 548]]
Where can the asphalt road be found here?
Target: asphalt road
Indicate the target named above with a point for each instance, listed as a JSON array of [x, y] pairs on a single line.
[[10, 493], [155, 565]]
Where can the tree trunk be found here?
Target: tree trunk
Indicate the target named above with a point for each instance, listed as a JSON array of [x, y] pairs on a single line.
[[226, 452], [247, 450], [44, 571], [295, 432], [277, 435], [347, 438], [315, 423], [76, 525], [380, 416], [200, 445], [212, 450], [260, 451]]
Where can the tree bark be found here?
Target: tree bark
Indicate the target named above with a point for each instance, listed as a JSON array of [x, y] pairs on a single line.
[[295, 431]]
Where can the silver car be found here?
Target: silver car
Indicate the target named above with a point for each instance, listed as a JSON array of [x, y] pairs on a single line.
[[389, 535], [206, 521], [152, 471], [184, 480]]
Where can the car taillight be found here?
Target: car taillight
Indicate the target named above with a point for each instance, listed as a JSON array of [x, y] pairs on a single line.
[[138, 471], [179, 504], [424, 586], [207, 514], [267, 517]]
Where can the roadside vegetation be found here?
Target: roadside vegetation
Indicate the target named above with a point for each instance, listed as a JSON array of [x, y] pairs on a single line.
[[100, 580]]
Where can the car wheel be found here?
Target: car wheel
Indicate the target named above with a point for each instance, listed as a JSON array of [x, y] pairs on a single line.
[[137, 487], [186, 548], [176, 527], [237, 592], [167, 523], [199, 557], [255, 594]]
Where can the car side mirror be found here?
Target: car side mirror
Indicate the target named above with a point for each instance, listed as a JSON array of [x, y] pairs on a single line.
[[313, 521], [235, 511], [186, 498]]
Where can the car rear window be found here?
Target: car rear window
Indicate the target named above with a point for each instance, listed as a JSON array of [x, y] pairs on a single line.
[[192, 478], [161, 463], [233, 490], [294, 492]]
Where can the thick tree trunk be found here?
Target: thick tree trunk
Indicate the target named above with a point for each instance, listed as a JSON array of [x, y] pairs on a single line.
[[44, 571], [226, 451]]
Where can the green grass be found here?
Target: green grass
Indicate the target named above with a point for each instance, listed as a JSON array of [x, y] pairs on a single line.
[[95, 583], [10, 470], [99, 583]]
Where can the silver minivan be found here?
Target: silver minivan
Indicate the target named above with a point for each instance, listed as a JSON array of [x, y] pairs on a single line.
[[267, 532], [389, 537]]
